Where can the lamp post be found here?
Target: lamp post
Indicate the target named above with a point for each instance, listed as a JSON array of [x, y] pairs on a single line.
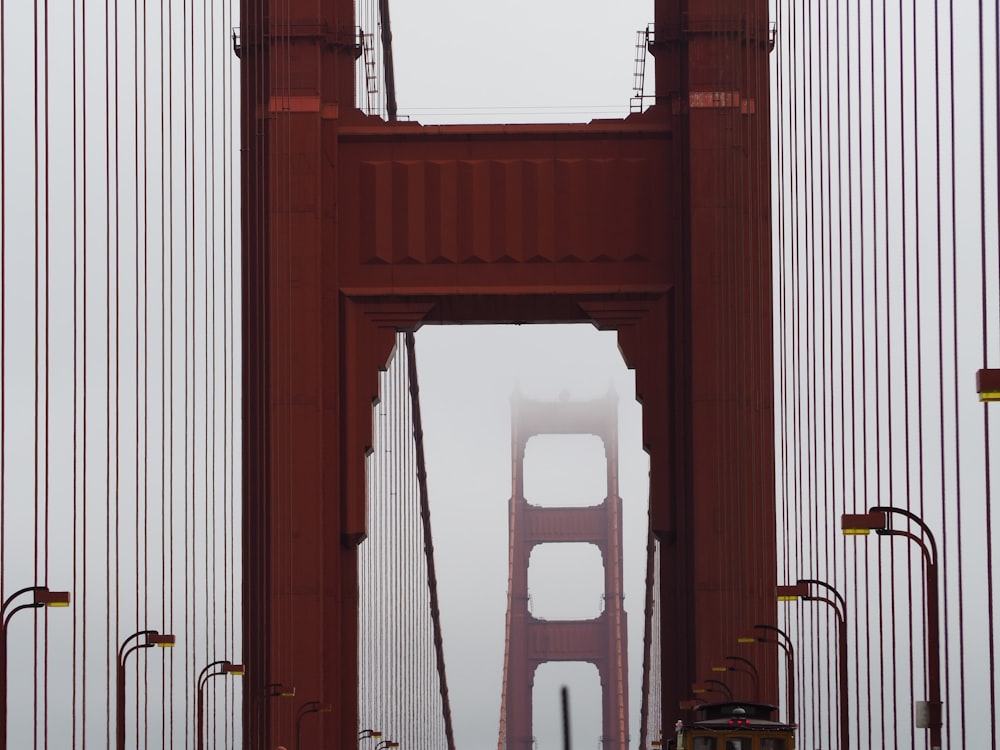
[[364, 734], [786, 646], [225, 667], [278, 690], [877, 519], [309, 707], [839, 607], [271, 690], [42, 597], [802, 590], [752, 673], [725, 688], [705, 687], [150, 638]]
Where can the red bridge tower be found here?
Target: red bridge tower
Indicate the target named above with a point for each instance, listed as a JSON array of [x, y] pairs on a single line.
[[601, 641]]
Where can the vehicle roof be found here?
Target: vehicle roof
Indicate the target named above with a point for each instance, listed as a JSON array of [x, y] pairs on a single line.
[[728, 715]]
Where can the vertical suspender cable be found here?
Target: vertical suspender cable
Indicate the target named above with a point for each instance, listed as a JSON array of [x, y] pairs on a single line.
[[228, 323], [169, 346], [116, 337], [85, 453], [850, 456], [904, 294], [859, 423], [985, 354], [3, 294], [190, 464], [142, 707], [990, 590], [75, 694], [36, 428], [46, 420], [208, 403], [208, 449], [899, 299], [866, 249], [812, 535], [884, 680], [45, 423], [953, 201], [942, 456], [845, 304], [825, 375], [165, 495], [109, 633]]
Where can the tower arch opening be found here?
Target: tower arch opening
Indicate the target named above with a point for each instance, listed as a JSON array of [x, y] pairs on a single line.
[[566, 581]]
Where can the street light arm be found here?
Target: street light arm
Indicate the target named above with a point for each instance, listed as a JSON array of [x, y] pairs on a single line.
[[841, 619], [134, 648], [777, 630], [780, 644], [828, 587], [724, 686], [30, 605], [203, 677], [929, 558], [278, 690], [17, 593], [748, 673], [756, 674], [889, 509], [785, 643], [307, 708], [121, 649]]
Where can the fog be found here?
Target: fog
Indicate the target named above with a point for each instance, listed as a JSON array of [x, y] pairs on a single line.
[[467, 377]]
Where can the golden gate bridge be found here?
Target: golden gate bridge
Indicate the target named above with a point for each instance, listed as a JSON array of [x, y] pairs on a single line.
[[219, 233]]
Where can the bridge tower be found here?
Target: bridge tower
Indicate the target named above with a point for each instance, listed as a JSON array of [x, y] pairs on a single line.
[[531, 642], [656, 226]]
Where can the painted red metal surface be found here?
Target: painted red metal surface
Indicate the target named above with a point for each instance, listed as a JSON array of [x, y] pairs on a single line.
[[656, 226], [530, 642]]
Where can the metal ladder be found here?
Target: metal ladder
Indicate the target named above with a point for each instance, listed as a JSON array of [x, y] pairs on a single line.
[[642, 41], [371, 69]]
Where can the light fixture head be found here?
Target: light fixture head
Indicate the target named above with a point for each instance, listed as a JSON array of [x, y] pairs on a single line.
[[860, 524], [988, 384], [793, 592], [46, 598]]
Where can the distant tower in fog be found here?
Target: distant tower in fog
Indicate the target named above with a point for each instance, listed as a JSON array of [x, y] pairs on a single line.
[[530, 641]]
